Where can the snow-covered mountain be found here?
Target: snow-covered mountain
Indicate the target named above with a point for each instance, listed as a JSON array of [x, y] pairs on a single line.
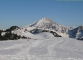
[[48, 24]]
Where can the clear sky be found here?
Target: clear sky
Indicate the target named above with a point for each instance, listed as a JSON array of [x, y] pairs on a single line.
[[24, 12]]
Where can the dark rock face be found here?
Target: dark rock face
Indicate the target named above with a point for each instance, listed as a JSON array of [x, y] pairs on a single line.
[[77, 30], [37, 31], [80, 39], [0, 34], [55, 34]]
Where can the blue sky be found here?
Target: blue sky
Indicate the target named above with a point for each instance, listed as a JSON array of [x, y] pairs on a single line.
[[24, 12]]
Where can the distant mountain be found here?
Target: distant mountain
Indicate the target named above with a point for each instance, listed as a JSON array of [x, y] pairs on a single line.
[[43, 25], [48, 24]]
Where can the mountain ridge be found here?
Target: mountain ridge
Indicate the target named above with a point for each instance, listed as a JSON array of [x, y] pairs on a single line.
[[47, 25]]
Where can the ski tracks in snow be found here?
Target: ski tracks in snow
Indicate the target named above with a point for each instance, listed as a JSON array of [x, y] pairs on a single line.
[[47, 49], [51, 51]]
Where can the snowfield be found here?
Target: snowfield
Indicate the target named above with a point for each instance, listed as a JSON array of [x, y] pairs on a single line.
[[42, 49], [49, 41]]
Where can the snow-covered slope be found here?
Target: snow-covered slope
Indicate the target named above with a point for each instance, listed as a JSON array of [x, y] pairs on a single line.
[[33, 36], [42, 49]]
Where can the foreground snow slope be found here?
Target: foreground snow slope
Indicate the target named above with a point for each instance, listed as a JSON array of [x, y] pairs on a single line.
[[42, 49]]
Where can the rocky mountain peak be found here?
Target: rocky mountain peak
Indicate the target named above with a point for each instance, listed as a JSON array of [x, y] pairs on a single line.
[[47, 24], [46, 20]]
